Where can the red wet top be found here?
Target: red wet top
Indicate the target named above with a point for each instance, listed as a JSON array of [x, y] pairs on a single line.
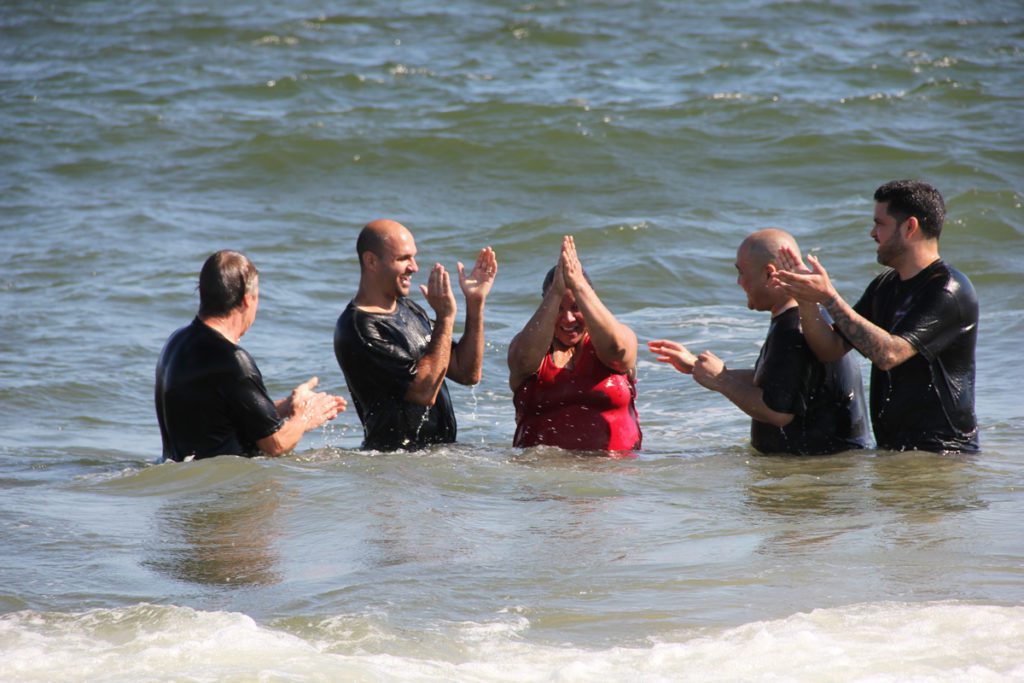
[[586, 407]]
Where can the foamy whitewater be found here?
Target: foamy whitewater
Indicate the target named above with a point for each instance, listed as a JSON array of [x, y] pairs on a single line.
[[880, 642]]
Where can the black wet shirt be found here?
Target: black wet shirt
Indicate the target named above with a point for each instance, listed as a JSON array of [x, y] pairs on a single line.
[[825, 399], [378, 353], [210, 398], [927, 402]]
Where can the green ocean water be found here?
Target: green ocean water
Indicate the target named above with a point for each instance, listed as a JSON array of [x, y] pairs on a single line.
[[138, 137]]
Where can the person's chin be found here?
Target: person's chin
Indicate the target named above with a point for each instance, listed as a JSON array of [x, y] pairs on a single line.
[[570, 339]]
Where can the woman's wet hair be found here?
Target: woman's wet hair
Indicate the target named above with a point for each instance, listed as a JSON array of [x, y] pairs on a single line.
[[550, 277]]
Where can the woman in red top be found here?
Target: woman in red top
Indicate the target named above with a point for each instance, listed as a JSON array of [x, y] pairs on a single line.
[[572, 368]]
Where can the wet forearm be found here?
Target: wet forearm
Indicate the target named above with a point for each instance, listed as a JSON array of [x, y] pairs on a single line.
[[433, 365], [468, 354], [881, 348]]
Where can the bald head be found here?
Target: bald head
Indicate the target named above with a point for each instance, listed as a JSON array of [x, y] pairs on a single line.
[[762, 247], [378, 235]]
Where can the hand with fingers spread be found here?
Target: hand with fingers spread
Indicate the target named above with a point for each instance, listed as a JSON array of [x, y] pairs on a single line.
[[314, 408], [808, 285], [790, 260], [477, 285], [674, 353]]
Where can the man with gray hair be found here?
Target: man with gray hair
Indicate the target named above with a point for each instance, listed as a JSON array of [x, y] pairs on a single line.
[[210, 397], [798, 404]]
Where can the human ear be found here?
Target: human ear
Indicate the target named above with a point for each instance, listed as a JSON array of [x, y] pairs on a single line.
[[913, 226]]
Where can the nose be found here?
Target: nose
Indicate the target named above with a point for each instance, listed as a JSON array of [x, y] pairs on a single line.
[[413, 268]]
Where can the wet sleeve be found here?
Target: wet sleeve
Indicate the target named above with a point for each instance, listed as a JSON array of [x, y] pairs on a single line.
[[863, 305], [782, 373], [252, 409], [932, 323]]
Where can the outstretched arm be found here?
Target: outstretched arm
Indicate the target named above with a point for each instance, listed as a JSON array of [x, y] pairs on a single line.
[[614, 343], [675, 353], [303, 410], [433, 364], [468, 354], [814, 287], [737, 386], [527, 349]]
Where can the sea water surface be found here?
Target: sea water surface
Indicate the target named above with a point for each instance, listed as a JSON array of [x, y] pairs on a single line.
[[138, 137]]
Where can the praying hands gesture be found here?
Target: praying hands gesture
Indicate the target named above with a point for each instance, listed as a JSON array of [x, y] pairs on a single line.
[[569, 265]]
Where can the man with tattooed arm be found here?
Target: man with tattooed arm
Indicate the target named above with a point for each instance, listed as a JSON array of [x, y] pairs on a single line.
[[917, 323]]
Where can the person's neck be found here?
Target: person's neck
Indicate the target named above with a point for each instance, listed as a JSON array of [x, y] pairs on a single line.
[[372, 300], [783, 306], [916, 260], [231, 327]]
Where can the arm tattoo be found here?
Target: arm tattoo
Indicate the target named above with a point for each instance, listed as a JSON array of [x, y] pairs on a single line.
[[860, 336]]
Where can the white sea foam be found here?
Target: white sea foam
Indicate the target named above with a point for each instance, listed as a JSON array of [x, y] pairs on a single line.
[[879, 642]]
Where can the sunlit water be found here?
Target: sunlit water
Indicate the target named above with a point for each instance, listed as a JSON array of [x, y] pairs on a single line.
[[139, 137]]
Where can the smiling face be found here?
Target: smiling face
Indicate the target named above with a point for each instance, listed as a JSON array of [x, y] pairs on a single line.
[[888, 234], [396, 262], [570, 327]]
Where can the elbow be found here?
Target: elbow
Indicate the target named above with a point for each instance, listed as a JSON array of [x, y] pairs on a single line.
[[886, 362], [623, 362], [829, 354], [272, 448], [780, 420], [421, 398]]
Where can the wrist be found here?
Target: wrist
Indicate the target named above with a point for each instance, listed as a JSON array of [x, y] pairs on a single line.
[[445, 322], [831, 303]]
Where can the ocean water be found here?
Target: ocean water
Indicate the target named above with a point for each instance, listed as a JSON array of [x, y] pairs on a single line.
[[138, 137]]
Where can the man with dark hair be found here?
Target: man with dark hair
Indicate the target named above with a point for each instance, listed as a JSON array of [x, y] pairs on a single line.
[[797, 404], [917, 322], [394, 359], [210, 397]]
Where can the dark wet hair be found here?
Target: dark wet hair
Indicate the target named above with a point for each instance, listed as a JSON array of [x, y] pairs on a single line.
[[915, 198], [226, 277], [550, 277]]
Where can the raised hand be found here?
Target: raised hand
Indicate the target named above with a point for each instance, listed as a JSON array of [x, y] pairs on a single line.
[[477, 285], [810, 285], [438, 292], [673, 352], [572, 269], [791, 261]]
